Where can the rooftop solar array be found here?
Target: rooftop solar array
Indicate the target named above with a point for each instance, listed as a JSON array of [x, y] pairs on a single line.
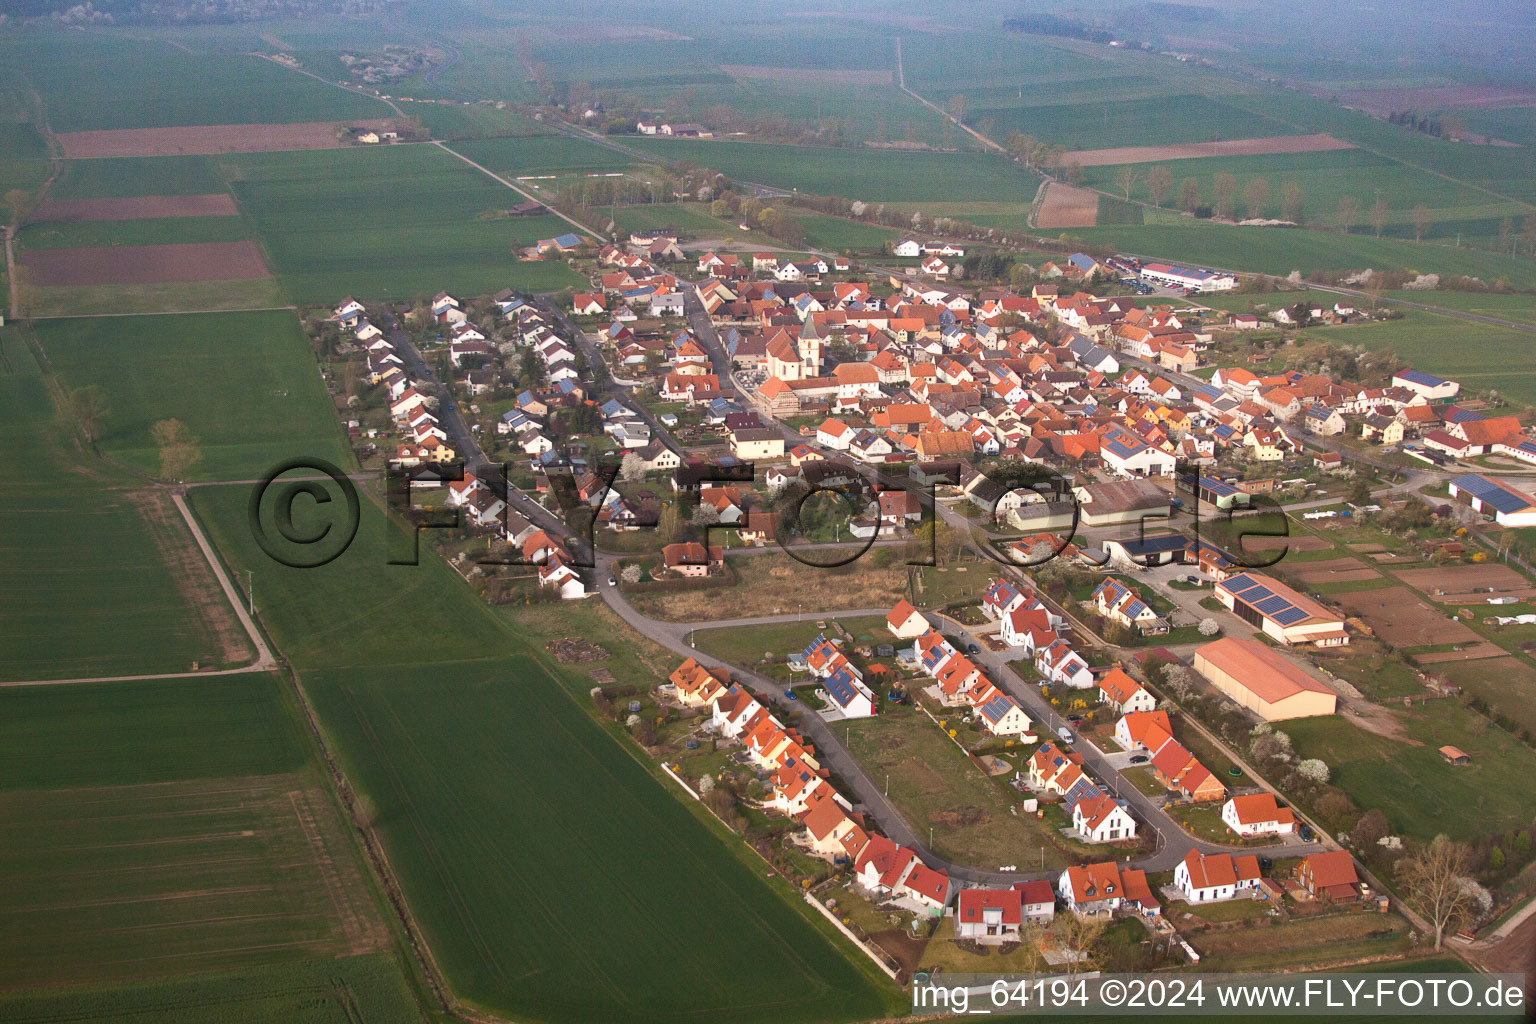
[[1255, 594], [1492, 494], [1217, 487]]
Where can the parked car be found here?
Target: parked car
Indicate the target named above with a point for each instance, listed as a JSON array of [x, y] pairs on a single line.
[[1138, 759], [1307, 835], [612, 582]]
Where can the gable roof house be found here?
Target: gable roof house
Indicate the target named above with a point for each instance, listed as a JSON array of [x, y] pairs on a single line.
[[1124, 694], [1210, 877], [1257, 814]]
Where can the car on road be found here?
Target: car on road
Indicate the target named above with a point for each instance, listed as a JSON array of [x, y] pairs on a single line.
[[612, 581], [1138, 759], [972, 649], [791, 695]]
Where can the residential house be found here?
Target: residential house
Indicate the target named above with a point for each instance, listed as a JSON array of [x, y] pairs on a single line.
[[1330, 875], [1211, 877], [1257, 814]]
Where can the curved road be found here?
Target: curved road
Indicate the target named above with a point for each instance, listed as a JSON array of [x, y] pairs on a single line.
[[1173, 843]]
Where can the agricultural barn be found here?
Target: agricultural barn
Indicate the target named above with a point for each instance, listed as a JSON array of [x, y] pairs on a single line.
[[1434, 389], [1262, 681], [1508, 506], [1280, 612], [1188, 277]]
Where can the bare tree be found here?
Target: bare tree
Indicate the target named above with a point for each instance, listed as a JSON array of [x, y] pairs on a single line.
[[1420, 222], [1224, 191], [1256, 197], [1433, 880], [1189, 195], [1292, 207], [1125, 178], [1159, 181], [1379, 216], [1078, 934], [1074, 173], [89, 409], [1349, 212]]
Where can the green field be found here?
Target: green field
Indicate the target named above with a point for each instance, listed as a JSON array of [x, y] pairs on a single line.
[[547, 154], [147, 231], [1159, 120], [111, 177], [388, 224], [88, 591], [23, 157], [167, 297], [1519, 307], [691, 219], [245, 384], [339, 991], [159, 829], [1280, 250], [92, 81], [1324, 178], [1481, 356], [837, 235], [120, 734], [501, 802], [455, 121], [1421, 794], [868, 174]]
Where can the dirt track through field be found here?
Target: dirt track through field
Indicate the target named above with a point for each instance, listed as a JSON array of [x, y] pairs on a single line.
[[146, 264], [210, 138], [1188, 151], [1067, 207], [1471, 653], [216, 204]]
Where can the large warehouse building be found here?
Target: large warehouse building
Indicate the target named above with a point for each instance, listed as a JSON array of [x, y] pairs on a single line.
[[1508, 505], [1262, 681], [1281, 612]]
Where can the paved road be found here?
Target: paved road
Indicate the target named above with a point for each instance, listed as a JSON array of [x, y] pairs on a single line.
[[1173, 843]]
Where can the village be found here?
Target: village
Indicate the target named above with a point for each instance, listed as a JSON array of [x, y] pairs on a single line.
[[1105, 451]]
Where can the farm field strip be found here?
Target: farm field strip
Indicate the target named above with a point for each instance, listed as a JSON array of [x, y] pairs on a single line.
[[209, 139], [1218, 148], [216, 204], [145, 264], [243, 383], [498, 798]]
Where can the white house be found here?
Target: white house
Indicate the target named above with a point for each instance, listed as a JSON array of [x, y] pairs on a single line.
[[1257, 814], [905, 621], [1208, 878], [1059, 663], [1101, 819], [989, 915], [908, 247]]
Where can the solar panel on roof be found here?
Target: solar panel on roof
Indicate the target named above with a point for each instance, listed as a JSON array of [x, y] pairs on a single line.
[[1290, 616], [1272, 604], [1253, 595]]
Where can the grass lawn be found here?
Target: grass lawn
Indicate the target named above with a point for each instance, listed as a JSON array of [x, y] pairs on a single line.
[[388, 223], [1225, 910], [778, 584], [936, 786], [1420, 794], [1377, 675], [89, 555], [1203, 821], [245, 384], [1506, 684], [746, 645], [1140, 776], [1287, 945], [432, 726]]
